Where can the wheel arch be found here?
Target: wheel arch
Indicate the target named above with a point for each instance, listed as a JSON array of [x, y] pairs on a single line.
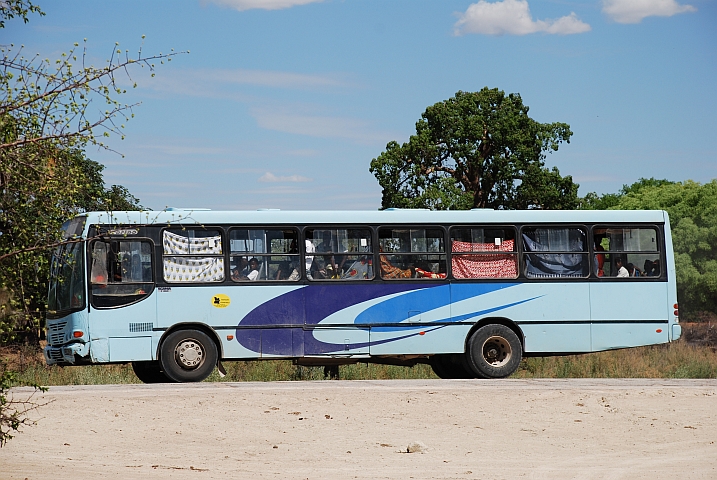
[[500, 321], [203, 327]]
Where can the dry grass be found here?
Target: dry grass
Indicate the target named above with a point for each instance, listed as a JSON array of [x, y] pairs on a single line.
[[676, 360]]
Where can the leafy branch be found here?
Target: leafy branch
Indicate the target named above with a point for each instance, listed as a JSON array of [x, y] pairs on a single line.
[[14, 412], [56, 102]]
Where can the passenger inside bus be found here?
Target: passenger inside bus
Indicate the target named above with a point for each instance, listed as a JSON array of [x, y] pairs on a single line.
[[389, 271], [253, 270], [621, 270]]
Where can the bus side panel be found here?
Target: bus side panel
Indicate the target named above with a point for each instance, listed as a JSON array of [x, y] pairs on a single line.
[[608, 336], [223, 307], [130, 349], [554, 317], [628, 313], [628, 299], [418, 339], [339, 316], [419, 322], [336, 341], [279, 309], [560, 337], [127, 330]]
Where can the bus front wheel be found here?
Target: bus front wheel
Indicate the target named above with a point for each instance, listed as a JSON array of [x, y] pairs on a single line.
[[494, 351], [188, 356]]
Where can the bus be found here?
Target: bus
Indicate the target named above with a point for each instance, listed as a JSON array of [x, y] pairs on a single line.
[[179, 291]]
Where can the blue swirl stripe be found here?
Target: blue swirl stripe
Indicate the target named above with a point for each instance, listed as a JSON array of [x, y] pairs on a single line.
[[314, 304]]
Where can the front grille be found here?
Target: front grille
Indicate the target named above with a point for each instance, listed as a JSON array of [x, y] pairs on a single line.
[[140, 327], [56, 338], [56, 326], [56, 332], [55, 354]]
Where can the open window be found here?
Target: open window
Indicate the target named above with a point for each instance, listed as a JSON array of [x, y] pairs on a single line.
[[266, 254], [634, 249], [121, 272], [338, 253], [417, 253]]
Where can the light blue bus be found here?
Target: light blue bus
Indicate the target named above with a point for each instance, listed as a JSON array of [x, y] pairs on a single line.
[[471, 293]]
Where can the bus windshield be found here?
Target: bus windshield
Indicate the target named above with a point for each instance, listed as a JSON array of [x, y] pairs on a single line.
[[67, 285]]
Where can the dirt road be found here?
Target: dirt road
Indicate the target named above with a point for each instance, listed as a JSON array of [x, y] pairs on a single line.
[[469, 429]]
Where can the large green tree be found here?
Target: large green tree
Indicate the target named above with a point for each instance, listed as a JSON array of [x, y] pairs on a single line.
[[49, 113], [692, 208], [476, 150]]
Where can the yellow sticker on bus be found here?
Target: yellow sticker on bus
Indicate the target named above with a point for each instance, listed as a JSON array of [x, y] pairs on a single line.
[[221, 301]]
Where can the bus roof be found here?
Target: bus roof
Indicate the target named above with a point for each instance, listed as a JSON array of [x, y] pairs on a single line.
[[372, 217]]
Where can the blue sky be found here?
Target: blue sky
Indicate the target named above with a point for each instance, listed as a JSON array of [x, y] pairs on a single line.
[[283, 103]]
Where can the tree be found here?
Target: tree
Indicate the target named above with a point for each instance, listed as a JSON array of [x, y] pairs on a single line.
[[49, 113], [692, 209], [476, 150], [593, 201]]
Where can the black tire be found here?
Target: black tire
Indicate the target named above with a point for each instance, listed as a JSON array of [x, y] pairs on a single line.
[[494, 351], [449, 367], [149, 372], [188, 356]]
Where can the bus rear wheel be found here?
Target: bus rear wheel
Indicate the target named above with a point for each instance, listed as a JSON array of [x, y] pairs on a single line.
[[188, 356], [149, 372], [494, 351]]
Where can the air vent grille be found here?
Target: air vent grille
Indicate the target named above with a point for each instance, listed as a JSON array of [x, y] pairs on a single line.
[[140, 327]]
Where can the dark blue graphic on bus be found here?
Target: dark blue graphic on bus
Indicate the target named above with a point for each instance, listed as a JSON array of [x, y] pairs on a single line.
[[285, 316]]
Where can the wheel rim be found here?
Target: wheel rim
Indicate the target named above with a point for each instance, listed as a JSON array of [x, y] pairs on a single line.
[[189, 354], [497, 351]]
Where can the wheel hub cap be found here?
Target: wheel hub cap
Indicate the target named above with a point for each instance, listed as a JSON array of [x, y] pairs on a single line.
[[189, 354], [497, 351]]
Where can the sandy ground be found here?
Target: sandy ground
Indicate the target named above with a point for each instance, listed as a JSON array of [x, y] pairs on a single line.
[[471, 429]]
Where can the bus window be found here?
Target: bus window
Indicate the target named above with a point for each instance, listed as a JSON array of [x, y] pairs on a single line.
[[121, 272], [483, 252], [67, 272], [635, 248], [339, 254], [192, 255], [264, 254], [567, 247], [412, 253]]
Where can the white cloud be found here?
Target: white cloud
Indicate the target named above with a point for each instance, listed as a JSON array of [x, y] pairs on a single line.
[[269, 177], [261, 4], [513, 17], [633, 11]]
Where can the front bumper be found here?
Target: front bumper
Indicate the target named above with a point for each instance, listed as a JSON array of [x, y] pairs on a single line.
[[70, 354]]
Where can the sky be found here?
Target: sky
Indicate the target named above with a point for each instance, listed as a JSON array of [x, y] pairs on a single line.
[[284, 103]]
